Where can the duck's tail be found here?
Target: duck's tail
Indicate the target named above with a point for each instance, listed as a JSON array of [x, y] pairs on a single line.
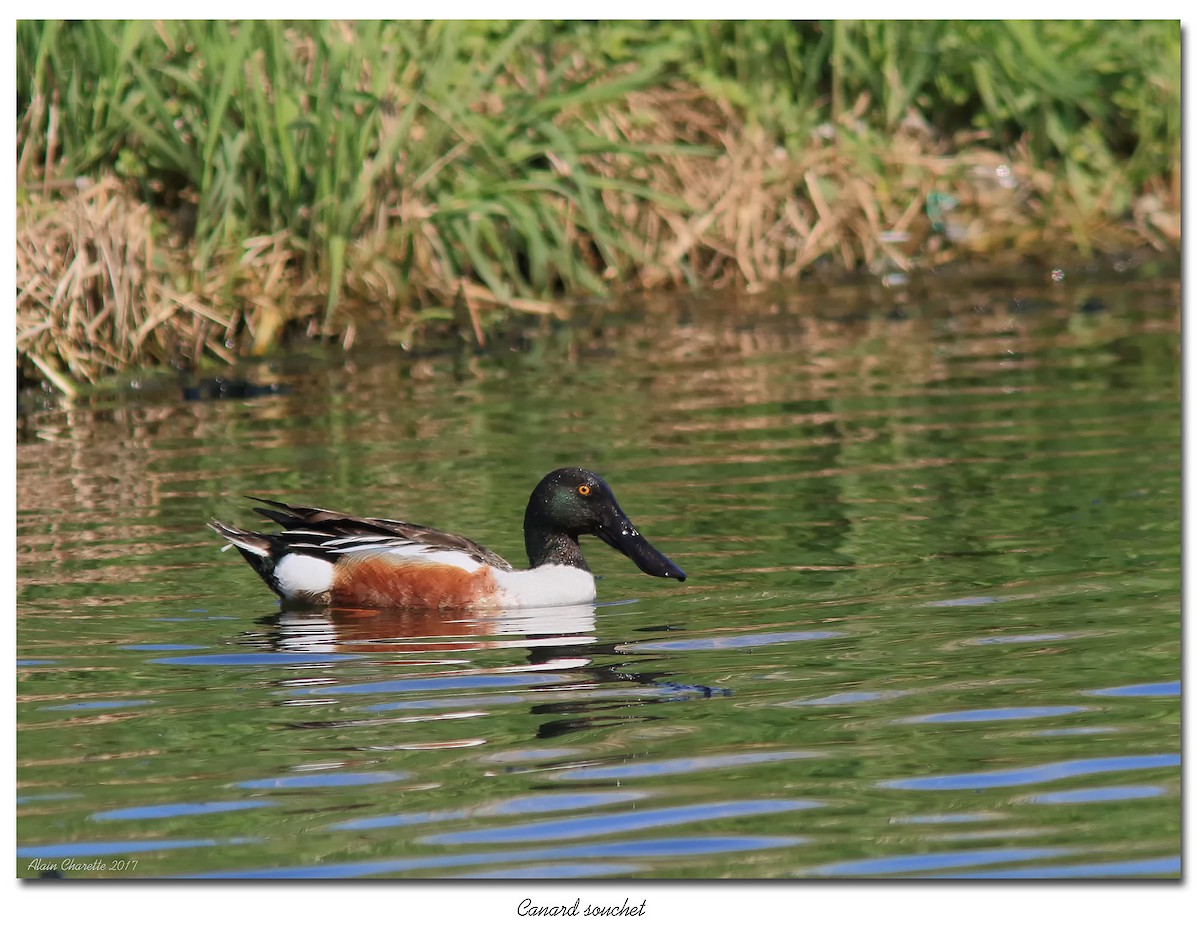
[[262, 552]]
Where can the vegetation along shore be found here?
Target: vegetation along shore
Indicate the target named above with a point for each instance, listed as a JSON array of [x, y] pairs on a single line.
[[192, 192]]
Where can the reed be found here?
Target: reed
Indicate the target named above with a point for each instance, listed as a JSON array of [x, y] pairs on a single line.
[[303, 177]]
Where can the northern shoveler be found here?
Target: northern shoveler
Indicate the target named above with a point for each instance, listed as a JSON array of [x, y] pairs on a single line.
[[325, 558]]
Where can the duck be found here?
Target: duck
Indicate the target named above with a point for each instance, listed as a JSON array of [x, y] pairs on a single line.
[[332, 559]]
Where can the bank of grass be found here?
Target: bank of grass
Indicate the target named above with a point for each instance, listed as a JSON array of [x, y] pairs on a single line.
[[198, 190]]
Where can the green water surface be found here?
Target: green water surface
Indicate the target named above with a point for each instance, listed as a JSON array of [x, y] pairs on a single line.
[[931, 624]]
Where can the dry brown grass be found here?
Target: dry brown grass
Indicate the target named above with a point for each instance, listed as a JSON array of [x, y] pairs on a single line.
[[758, 214], [94, 294], [99, 291]]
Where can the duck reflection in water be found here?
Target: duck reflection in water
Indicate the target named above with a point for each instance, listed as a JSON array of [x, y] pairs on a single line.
[[557, 639]]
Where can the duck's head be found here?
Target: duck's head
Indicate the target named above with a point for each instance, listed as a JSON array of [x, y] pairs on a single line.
[[572, 502]]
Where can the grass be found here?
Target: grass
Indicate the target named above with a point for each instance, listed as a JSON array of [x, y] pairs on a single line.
[[195, 190]]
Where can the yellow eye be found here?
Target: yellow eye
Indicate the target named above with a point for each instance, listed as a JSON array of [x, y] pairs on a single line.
[[585, 490]]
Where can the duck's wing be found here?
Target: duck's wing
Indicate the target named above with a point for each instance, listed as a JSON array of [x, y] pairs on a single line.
[[340, 533]]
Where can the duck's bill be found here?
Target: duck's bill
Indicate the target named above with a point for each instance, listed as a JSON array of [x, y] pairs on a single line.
[[620, 533]]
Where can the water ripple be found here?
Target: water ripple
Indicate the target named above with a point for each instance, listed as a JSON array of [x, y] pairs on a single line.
[[965, 601], [326, 779], [445, 682], [1098, 794], [939, 818], [1168, 865], [903, 864], [531, 803], [99, 704], [669, 766], [1167, 688], [1030, 638], [242, 660], [492, 699], [165, 647], [847, 699], [121, 847], [170, 810], [558, 870], [994, 715], [909, 544], [606, 824], [717, 643], [1013, 777], [671, 847]]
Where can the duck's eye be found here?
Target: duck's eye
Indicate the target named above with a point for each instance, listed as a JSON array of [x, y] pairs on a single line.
[[585, 490]]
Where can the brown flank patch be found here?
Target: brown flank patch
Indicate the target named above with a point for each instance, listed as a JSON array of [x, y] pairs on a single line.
[[381, 581]]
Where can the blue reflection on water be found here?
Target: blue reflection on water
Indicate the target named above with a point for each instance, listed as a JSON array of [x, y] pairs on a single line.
[[1167, 688], [607, 823], [1167, 865], [168, 810], [326, 779], [692, 846], [988, 715], [1099, 794], [31, 798], [560, 870], [934, 860], [1055, 771]]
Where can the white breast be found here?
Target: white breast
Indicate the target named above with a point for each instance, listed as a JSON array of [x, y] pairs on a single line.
[[547, 585]]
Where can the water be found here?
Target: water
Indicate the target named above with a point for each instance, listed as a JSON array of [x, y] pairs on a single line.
[[931, 626]]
